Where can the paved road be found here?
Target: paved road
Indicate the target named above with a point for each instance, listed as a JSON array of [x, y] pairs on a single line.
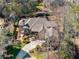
[[27, 48]]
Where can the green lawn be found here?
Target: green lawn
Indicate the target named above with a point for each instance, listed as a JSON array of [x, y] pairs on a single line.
[[39, 55], [13, 50]]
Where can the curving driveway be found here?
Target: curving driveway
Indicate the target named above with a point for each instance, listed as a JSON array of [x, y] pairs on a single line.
[[24, 52]]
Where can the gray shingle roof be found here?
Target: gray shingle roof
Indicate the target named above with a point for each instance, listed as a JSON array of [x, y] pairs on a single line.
[[37, 24], [50, 23]]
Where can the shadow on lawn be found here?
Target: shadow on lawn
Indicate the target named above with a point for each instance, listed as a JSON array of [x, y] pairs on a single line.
[[12, 52]]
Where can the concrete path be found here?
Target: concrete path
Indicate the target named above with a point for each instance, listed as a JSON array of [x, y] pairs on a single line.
[[24, 52]]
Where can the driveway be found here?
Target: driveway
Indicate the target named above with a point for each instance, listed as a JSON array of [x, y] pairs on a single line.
[[24, 52]]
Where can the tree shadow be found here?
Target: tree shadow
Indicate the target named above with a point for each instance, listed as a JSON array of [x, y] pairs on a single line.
[[12, 52]]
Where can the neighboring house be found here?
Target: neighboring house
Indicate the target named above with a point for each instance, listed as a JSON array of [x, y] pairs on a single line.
[[38, 25]]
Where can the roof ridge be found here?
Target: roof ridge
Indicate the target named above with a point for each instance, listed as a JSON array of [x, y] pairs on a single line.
[[34, 22]]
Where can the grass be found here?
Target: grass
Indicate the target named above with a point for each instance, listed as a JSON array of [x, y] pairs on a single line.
[[13, 50], [39, 55], [75, 8]]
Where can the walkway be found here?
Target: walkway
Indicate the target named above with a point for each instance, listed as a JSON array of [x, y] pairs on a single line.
[[27, 48]]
